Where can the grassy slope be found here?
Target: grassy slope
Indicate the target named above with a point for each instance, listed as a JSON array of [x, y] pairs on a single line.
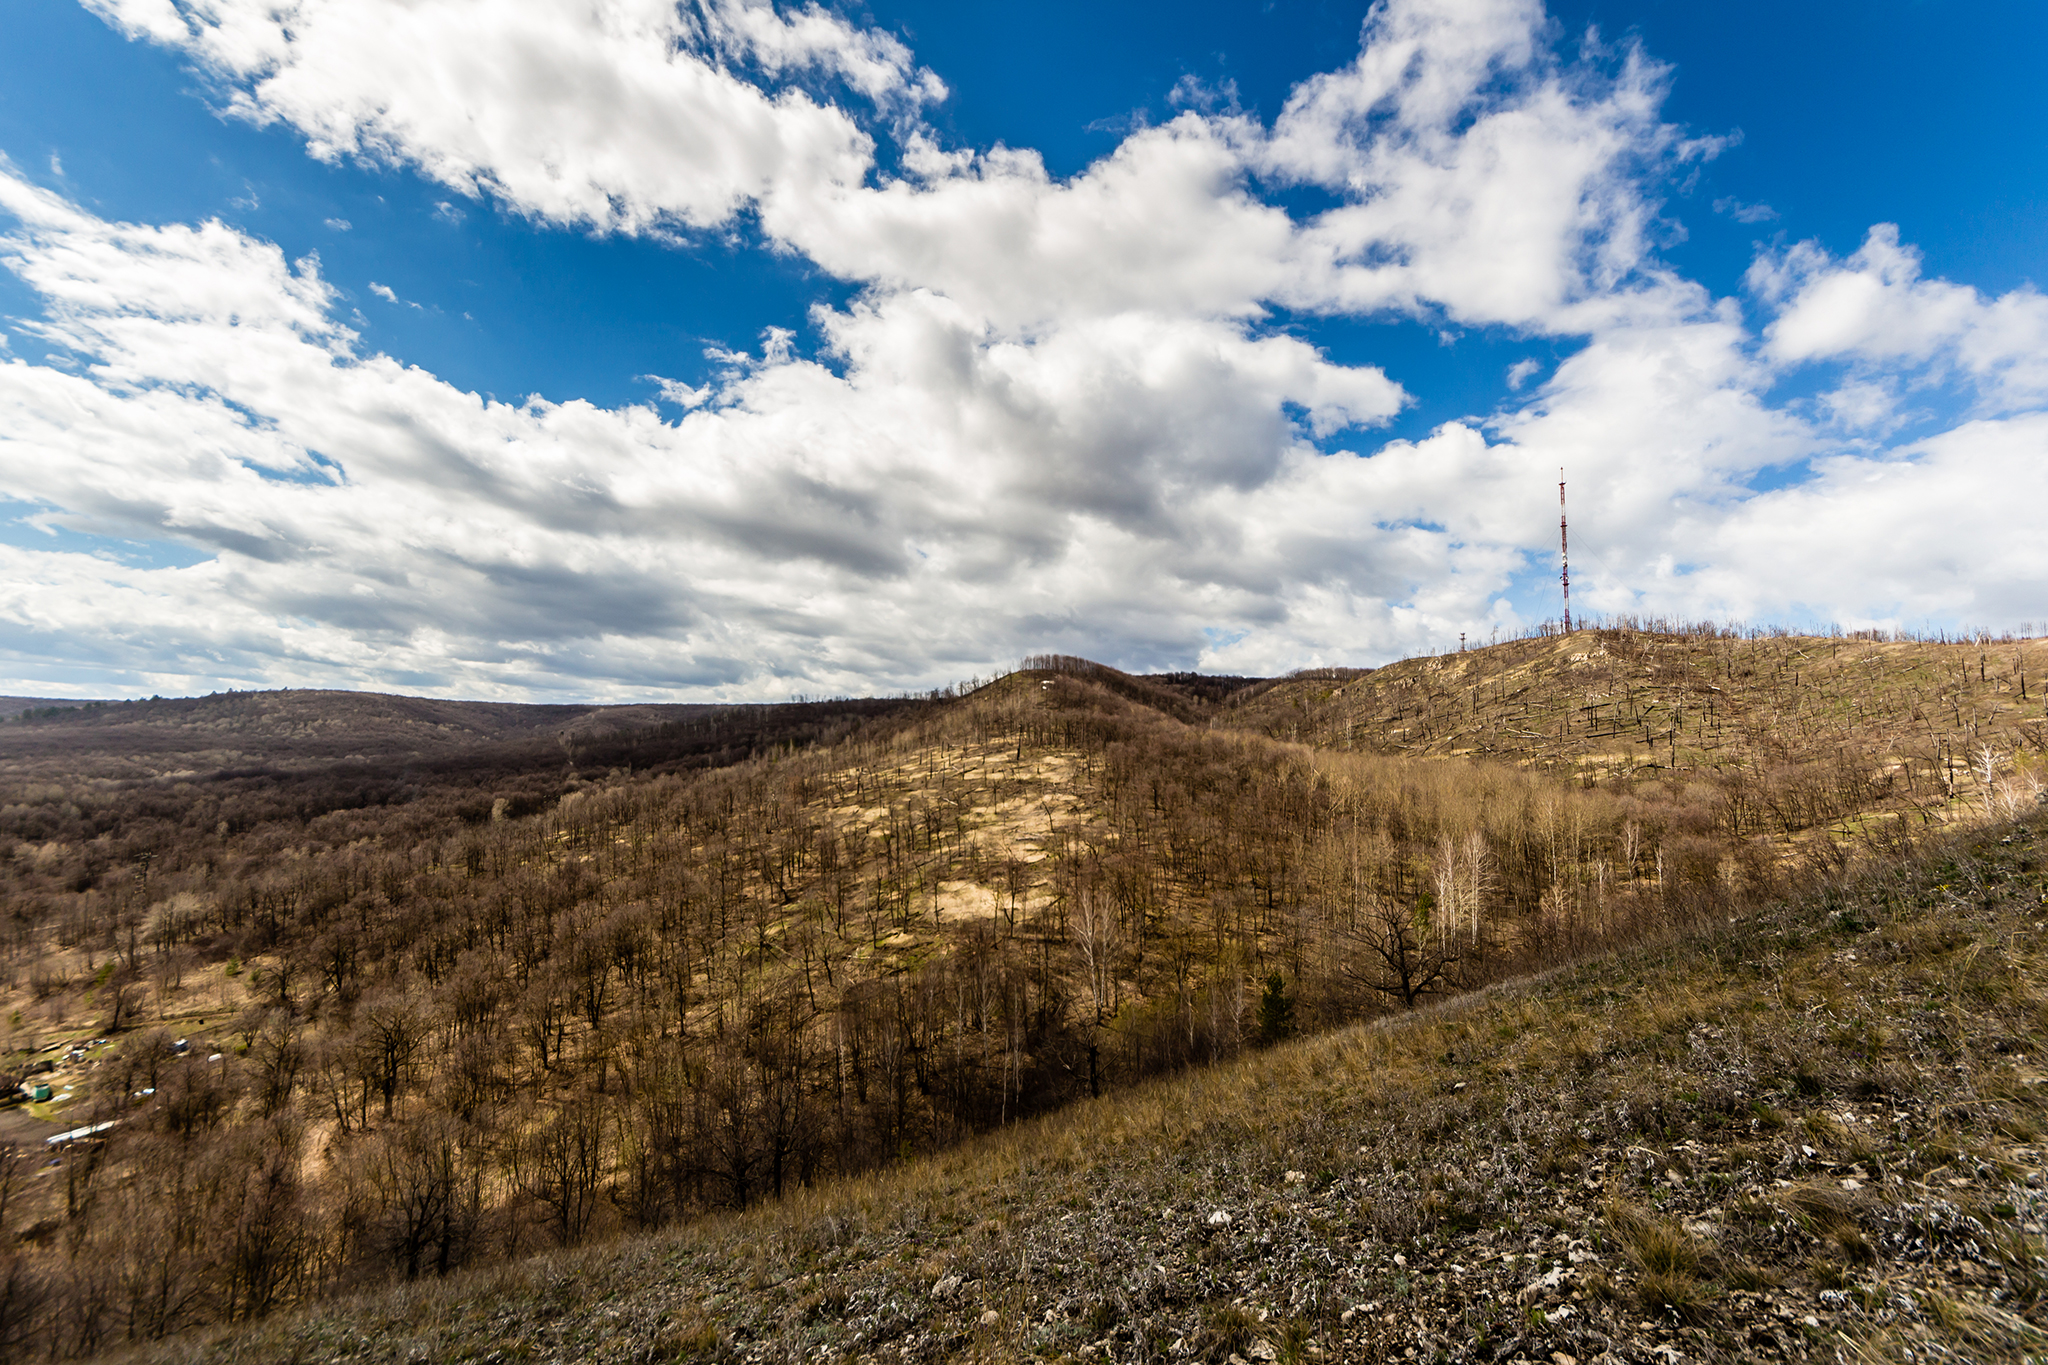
[[1626, 703], [1815, 1135]]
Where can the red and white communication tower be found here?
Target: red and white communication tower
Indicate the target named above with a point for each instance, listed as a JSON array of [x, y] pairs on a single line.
[[1564, 554]]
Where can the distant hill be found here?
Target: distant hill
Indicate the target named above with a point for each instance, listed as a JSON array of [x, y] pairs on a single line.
[[1796, 732], [14, 706], [302, 731], [306, 725]]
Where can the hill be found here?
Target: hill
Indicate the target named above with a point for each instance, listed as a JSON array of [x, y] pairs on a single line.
[[439, 1010], [186, 737], [1814, 1134], [1783, 734], [113, 782], [11, 707]]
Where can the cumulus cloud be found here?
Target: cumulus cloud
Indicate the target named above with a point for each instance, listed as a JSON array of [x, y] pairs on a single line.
[[876, 64], [1876, 310], [1054, 414], [622, 115], [800, 523], [1916, 529], [1484, 179]]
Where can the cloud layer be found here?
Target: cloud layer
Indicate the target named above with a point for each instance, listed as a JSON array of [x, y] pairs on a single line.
[[1055, 414]]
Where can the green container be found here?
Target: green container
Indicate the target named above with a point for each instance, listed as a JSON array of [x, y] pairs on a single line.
[[40, 1093]]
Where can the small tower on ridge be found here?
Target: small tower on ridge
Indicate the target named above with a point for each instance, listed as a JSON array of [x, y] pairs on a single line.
[[1564, 553]]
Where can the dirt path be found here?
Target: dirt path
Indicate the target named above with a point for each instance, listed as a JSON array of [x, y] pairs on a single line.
[[18, 1125]]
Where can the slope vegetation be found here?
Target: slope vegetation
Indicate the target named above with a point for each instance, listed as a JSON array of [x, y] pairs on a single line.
[[187, 737], [1782, 734], [355, 1019], [10, 707], [1815, 1134], [110, 783]]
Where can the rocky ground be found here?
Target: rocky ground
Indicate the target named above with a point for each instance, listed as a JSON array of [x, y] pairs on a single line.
[[1815, 1136]]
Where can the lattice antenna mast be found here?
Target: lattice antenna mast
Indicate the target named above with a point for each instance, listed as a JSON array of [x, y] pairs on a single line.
[[1564, 554]]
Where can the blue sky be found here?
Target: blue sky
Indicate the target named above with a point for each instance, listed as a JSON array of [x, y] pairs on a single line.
[[743, 349]]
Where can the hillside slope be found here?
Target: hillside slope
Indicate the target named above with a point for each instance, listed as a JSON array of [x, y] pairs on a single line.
[[1812, 1135], [449, 1028], [1797, 732], [121, 777], [184, 737], [443, 1012]]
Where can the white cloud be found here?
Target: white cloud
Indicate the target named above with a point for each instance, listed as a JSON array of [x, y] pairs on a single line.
[[1484, 179], [390, 295], [1745, 213], [679, 393], [1192, 92], [620, 115], [1864, 406], [1919, 531], [953, 496], [1053, 416], [1876, 310], [873, 63]]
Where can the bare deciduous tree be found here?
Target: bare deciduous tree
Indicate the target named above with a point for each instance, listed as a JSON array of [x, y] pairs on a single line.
[[1098, 941], [1393, 957]]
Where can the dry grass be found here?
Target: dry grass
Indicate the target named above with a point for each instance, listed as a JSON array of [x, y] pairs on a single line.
[[1950, 1329], [1615, 703]]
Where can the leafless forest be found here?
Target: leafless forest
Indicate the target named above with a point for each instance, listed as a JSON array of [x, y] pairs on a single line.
[[430, 988]]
